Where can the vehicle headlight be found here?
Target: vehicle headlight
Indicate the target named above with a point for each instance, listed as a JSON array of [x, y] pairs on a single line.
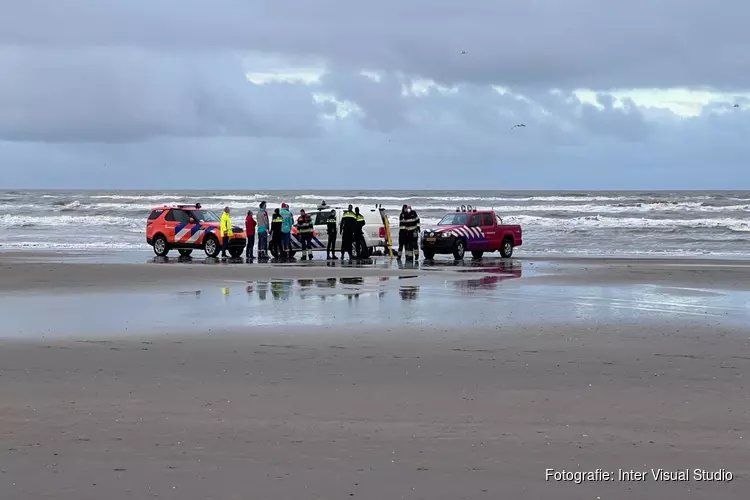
[[445, 235]]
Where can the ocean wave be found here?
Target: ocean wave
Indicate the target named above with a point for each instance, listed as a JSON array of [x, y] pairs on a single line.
[[86, 222], [95, 245], [70, 207], [102, 208], [183, 199], [602, 222]]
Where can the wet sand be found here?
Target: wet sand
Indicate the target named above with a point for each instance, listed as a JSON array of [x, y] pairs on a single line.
[[405, 410]]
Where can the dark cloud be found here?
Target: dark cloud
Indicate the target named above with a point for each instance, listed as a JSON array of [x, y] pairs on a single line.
[[542, 43], [117, 94], [457, 139], [105, 93]]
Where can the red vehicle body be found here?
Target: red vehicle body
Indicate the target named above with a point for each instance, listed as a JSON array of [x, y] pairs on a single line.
[[477, 231], [189, 227]]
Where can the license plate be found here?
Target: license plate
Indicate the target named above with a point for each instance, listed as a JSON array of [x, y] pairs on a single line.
[[431, 240]]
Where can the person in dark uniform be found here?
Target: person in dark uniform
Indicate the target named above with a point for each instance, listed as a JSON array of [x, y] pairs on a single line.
[[359, 237], [415, 229], [332, 232], [276, 232], [348, 227], [402, 230], [411, 235], [305, 232]]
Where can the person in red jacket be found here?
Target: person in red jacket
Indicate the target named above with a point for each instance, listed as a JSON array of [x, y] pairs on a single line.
[[250, 224]]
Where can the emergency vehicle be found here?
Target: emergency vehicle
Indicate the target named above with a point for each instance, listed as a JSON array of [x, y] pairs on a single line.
[[375, 233], [477, 231], [188, 227]]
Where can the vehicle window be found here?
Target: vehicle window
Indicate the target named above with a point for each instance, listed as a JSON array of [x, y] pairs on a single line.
[[155, 214], [205, 216], [170, 216], [320, 218], [488, 220], [476, 220], [181, 215], [453, 220]]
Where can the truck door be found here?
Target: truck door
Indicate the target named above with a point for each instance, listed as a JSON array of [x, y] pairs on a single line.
[[177, 226], [491, 232], [476, 241], [320, 229]]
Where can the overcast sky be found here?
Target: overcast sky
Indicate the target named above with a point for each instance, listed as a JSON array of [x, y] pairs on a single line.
[[252, 94]]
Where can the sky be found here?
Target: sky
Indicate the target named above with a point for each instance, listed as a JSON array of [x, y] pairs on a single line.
[[418, 94]]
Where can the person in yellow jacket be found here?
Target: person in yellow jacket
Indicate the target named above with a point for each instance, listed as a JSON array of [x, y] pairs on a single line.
[[226, 231]]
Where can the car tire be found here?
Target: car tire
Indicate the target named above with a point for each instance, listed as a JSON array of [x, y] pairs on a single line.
[[506, 250], [185, 252], [429, 255], [459, 249], [211, 246], [161, 247], [236, 252], [477, 254]]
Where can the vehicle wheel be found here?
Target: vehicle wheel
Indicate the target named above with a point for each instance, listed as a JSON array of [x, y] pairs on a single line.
[[429, 255], [236, 252], [459, 249], [476, 254], [161, 248], [507, 249], [185, 252], [211, 246]]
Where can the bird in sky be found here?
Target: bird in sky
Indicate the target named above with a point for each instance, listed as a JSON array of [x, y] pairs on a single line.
[[518, 125], [736, 105], [463, 52]]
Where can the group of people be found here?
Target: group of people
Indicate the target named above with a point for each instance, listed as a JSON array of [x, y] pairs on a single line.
[[275, 232]]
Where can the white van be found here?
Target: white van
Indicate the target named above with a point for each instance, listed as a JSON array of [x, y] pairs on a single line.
[[374, 230]]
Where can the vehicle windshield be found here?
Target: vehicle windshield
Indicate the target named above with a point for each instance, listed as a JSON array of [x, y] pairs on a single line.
[[204, 216], [458, 219]]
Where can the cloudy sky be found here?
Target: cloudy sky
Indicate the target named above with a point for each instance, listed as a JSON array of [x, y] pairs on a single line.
[[254, 94]]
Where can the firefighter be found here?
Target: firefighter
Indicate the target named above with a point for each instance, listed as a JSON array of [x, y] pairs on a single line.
[[416, 225], [359, 238], [226, 231], [348, 228], [402, 230], [305, 230], [411, 226], [332, 232]]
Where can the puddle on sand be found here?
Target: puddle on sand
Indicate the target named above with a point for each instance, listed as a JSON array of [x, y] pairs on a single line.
[[494, 297]]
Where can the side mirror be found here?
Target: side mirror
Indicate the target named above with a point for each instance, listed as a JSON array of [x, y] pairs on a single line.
[[192, 220]]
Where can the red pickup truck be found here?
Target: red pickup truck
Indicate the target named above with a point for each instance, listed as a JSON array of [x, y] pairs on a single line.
[[478, 231]]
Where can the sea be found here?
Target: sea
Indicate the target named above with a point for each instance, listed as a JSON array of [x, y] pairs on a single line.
[[587, 223]]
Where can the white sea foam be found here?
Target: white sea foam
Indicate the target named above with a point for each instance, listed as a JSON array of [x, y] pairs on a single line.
[[86, 222]]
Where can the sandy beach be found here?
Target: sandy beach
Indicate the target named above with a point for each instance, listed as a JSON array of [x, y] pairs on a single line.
[[564, 364]]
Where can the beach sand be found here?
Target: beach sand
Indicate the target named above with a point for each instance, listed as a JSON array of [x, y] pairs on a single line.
[[414, 411]]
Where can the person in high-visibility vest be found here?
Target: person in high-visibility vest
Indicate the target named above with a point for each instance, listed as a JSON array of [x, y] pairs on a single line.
[[348, 230], [411, 228], [305, 233], [226, 231], [332, 232], [402, 233]]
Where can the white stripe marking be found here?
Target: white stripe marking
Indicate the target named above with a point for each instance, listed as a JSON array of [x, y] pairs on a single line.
[[182, 233], [197, 235]]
